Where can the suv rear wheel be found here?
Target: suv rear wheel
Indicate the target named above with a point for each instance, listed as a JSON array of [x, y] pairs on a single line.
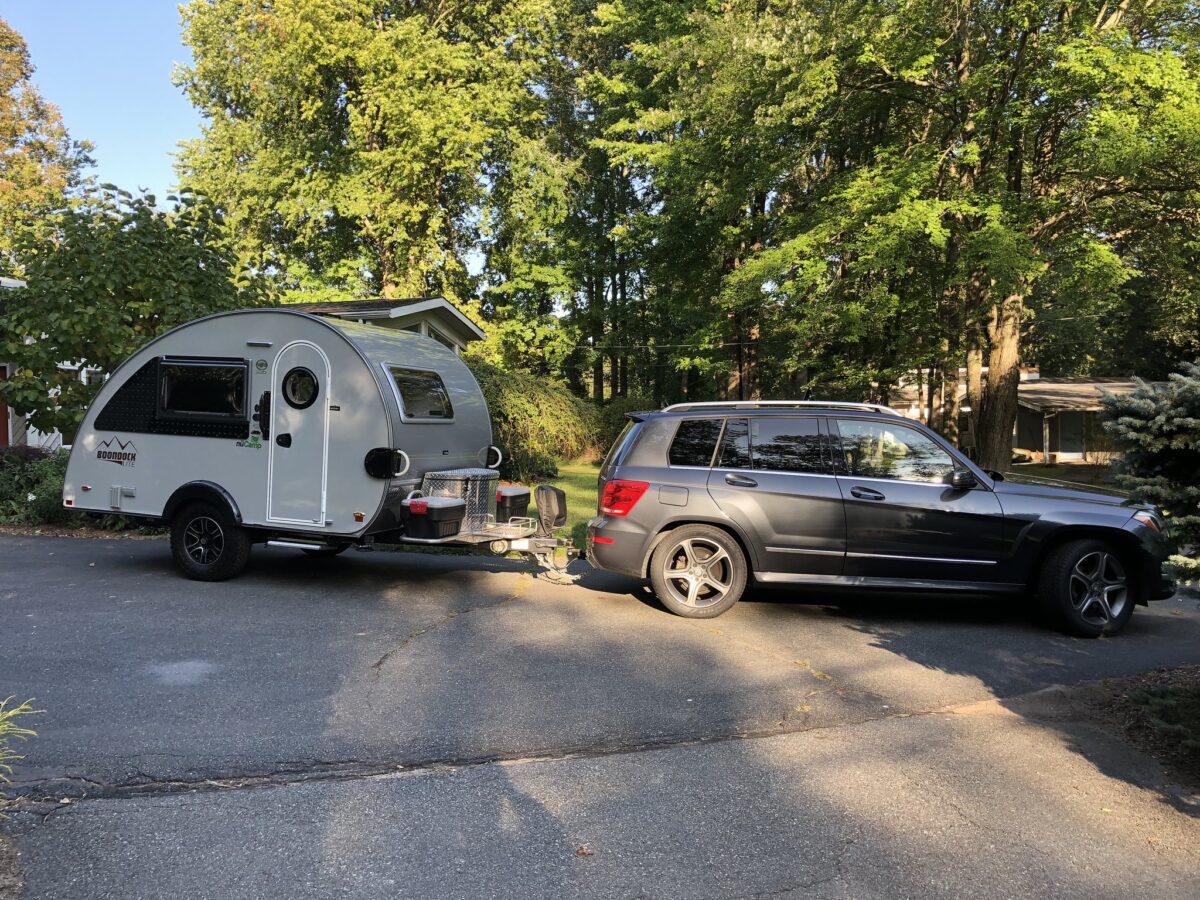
[[1086, 588], [207, 544], [698, 571]]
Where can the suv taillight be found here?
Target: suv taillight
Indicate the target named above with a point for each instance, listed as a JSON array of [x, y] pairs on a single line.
[[620, 496]]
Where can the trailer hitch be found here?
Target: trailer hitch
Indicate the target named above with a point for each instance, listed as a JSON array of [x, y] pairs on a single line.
[[553, 555]]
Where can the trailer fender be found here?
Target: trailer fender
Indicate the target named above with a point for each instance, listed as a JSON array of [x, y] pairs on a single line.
[[201, 490]]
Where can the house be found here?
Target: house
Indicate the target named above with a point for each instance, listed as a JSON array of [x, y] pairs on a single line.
[[1058, 419], [434, 317]]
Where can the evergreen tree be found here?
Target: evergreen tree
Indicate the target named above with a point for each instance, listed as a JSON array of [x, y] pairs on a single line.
[[1158, 428]]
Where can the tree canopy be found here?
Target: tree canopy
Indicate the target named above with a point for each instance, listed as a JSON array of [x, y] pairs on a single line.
[[106, 276], [39, 163], [743, 199]]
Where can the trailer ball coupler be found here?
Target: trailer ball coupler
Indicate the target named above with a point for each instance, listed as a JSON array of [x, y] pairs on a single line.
[[544, 551]]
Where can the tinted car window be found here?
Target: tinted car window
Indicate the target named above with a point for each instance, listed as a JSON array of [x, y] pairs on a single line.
[[695, 441], [786, 445], [735, 446], [617, 451], [884, 450]]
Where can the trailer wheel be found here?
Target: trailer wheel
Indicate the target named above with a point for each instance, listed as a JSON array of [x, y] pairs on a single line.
[[207, 544]]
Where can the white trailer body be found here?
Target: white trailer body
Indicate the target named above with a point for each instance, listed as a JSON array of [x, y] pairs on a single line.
[[296, 426]]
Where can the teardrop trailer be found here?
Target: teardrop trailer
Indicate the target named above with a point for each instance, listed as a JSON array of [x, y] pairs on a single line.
[[278, 427]]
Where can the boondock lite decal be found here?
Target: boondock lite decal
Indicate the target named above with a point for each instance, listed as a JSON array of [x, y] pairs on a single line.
[[115, 450]]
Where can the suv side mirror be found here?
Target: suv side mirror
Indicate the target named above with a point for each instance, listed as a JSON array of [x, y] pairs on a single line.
[[961, 479]]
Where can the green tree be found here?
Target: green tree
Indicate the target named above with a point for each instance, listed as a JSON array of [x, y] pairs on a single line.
[[868, 189], [110, 275], [39, 163], [1158, 428], [349, 140]]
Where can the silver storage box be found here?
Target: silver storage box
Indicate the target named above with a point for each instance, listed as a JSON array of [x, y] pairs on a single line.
[[477, 487]]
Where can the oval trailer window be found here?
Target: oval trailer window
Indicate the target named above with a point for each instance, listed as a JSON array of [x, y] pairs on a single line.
[[300, 388]]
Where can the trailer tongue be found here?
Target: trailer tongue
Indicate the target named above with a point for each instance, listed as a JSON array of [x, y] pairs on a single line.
[[464, 507]]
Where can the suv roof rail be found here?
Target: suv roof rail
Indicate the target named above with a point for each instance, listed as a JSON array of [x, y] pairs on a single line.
[[776, 404]]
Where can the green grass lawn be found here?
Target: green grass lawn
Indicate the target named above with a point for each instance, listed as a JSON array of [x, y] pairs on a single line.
[[578, 480]]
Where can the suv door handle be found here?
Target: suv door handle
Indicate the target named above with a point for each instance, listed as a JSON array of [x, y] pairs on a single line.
[[863, 493], [740, 480]]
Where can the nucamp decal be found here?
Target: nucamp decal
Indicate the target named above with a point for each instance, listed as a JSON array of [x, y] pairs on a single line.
[[115, 450]]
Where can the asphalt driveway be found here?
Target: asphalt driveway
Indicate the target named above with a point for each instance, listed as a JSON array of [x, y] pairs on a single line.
[[398, 724]]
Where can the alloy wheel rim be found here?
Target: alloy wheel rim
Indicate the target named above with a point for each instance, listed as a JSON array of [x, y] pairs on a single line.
[[203, 540], [698, 573], [1099, 587]]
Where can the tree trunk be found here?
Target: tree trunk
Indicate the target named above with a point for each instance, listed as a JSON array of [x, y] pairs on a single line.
[[998, 406]]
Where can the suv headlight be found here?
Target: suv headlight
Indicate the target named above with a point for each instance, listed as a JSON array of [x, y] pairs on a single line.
[[1151, 521]]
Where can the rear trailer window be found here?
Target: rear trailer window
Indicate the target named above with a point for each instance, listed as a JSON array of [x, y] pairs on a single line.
[[203, 389], [787, 445], [694, 443], [422, 394]]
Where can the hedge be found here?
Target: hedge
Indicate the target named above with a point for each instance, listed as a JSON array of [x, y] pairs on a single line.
[[536, 421]]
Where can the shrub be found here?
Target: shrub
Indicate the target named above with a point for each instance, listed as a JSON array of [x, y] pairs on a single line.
[[1158, 428], [537, 421], [31, 484]]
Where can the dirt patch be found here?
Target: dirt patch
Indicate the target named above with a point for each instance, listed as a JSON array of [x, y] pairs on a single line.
[[10, 871], [1158, 712], [77, 531]]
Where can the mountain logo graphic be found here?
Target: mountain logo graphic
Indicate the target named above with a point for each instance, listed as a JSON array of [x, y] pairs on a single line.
[[115, 450]]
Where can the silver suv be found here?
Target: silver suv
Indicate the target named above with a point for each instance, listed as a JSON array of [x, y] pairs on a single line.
[[700, 497]]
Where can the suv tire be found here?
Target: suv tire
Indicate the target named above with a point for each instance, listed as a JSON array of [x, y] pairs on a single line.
[[1086, 588], [698, 571], [207, 543]]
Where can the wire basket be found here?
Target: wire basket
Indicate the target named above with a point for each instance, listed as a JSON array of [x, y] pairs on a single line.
[[477, 487]]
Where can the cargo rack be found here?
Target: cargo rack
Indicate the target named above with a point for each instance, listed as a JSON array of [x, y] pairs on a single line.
[[782, 404]]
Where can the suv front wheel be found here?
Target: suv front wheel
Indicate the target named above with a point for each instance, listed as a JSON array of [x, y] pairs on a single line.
[[1086, 588], [698, 571]]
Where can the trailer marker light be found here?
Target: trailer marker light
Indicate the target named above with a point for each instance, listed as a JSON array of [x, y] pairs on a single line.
[[85, 487], [418, 507], [358, 517], [68, 502], [596, 539], [621, 496]]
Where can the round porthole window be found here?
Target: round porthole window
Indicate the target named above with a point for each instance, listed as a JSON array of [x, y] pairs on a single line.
[[300, 388]]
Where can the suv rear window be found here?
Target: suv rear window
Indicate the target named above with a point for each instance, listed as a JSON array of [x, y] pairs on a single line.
[[694, 443]]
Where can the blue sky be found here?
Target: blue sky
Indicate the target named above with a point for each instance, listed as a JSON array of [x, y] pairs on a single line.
[[106, 64]]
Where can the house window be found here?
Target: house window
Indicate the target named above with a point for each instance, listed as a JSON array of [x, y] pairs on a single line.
[[206, 389], [441, 338], [422, 394]]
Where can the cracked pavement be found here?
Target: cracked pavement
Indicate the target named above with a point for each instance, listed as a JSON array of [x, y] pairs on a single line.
[[407, 725]]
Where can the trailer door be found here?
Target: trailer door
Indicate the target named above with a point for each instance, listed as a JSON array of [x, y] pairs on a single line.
[[298, 464]]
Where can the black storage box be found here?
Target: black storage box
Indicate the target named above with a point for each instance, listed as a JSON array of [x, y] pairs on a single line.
[[512, 502], [432, 517]]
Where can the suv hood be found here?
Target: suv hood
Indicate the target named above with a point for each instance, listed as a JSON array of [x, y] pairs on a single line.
[[1033, 486]]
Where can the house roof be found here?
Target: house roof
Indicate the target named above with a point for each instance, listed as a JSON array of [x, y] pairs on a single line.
[[1049, 395], [382, 308], [1045, 395]]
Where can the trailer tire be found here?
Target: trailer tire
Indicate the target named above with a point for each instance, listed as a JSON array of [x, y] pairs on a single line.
[[207, 543]]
